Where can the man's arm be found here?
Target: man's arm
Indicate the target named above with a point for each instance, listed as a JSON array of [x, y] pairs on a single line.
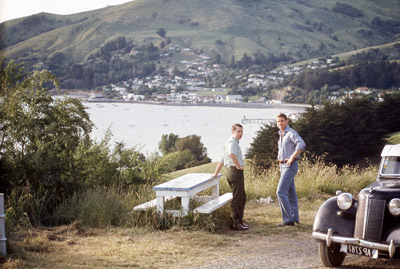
[[300, 146], [236, 162], [293, 157], [217, 169]]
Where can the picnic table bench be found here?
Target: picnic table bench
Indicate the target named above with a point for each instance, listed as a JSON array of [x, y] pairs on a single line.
[[186, 187]]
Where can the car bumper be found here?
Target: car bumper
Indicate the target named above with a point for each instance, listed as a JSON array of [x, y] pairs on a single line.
[[329, 238]]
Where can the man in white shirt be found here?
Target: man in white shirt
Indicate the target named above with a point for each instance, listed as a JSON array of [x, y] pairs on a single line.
[[233, 161]]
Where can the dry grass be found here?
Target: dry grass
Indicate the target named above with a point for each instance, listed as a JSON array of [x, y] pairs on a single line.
[[182, 244], [74, 246]]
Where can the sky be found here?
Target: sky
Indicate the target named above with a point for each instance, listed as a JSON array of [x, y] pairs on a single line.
[[12, 9]]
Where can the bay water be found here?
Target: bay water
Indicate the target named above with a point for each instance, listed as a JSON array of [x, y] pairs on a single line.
[[142, 125]]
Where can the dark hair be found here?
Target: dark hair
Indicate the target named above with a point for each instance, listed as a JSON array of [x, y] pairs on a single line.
[[282, 115], [235, 126]]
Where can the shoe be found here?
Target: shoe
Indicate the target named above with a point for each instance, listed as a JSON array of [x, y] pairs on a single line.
[[245, 224], [289, 223], [239, 227]]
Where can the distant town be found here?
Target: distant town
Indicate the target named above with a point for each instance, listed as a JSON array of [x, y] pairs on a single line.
[[194, 89]]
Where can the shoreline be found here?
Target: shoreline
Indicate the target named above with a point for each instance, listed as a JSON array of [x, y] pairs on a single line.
[[231, 105]]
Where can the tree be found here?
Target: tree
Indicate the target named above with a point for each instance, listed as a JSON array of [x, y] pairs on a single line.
[[388, 112], [167, 143], [264, 149], [161, 32], [38, 138], [343, 133], [339, 133], [192, 143]]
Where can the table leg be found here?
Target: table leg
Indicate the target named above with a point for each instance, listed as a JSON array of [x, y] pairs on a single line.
[[160, 204], [185, 200], [215, 191]]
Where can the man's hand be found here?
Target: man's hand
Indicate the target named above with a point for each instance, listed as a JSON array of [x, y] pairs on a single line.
[[239, 167], [289, 161], [217, 169]]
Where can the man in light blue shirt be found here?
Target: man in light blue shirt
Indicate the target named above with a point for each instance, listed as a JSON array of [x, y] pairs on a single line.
[[290, 146], [233, 161]]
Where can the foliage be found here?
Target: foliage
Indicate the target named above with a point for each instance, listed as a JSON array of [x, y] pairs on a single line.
[[343, 133], [39, 135], [111, 64], [389, 112], [167, 143], [177, 160], [46, 153], [99, 165], [268, 62], [95, 207], [315, 86], [389, 26], [161, 32], [193, 144], [263, 150], [314, 179], [347, 10], [182, 152], [339, 133]]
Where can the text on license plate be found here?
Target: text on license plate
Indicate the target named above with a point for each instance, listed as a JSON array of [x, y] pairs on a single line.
[[361, 250]]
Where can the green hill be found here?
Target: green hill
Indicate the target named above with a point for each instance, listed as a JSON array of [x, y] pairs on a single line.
[[300, 29]]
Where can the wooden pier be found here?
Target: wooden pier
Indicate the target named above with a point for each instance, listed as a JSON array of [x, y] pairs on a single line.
[[245, 121]]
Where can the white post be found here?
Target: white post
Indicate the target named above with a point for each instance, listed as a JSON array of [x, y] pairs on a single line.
[[2, 226]]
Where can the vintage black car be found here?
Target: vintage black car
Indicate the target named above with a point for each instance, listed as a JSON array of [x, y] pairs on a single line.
[[368, 225]]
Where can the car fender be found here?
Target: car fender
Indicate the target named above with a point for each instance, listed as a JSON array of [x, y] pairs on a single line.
[[330, 216], [392, 232]]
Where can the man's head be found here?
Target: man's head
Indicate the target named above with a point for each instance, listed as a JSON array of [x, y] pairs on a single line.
[[237, 131], [281, 121]]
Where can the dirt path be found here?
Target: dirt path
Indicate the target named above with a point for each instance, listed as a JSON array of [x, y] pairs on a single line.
[[264, 246], [291, 250]]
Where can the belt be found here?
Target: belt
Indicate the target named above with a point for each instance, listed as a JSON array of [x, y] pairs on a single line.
[[281, 161], [232, 167]]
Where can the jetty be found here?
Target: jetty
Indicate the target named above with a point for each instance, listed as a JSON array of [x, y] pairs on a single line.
[[259, 120]]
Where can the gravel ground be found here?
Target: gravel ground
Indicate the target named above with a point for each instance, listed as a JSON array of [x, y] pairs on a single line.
[[290, 250]]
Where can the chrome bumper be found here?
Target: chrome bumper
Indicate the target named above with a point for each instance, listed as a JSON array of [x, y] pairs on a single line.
[[329, 238]]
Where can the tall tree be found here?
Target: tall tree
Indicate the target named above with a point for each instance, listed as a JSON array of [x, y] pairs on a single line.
[[39, 135], [167, 143]]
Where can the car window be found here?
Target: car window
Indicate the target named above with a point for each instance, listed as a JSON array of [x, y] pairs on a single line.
[[391, 166]]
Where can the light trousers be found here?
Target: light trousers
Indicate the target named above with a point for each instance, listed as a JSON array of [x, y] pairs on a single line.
[[286, 192]]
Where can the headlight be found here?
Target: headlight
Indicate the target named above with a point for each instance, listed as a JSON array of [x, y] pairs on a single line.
[[394, 207], [345, 201]]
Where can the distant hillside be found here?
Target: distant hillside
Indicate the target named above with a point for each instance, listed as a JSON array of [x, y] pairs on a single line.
[[301, 29]]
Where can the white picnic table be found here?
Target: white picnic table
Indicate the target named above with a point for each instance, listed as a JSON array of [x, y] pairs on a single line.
[[186, 187]]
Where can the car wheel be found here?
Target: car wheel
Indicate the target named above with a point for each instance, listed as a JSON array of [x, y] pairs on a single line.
[[331, 256]]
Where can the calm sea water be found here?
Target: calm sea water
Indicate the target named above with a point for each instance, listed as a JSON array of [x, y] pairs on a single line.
[[142, 125]]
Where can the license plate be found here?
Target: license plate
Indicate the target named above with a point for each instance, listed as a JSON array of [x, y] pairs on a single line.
[[363, 251]]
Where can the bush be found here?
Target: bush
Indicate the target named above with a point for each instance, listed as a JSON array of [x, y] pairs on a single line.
[[176, 160], [96, 207], [313, 179]]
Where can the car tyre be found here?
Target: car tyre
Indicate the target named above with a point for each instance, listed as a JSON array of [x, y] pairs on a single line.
[[331, 256]]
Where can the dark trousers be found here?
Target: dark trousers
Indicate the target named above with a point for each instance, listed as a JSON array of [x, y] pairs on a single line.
[[235, 179]]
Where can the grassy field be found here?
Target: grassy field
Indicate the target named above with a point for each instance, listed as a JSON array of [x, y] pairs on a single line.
[[145, 240], [394, 138]]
